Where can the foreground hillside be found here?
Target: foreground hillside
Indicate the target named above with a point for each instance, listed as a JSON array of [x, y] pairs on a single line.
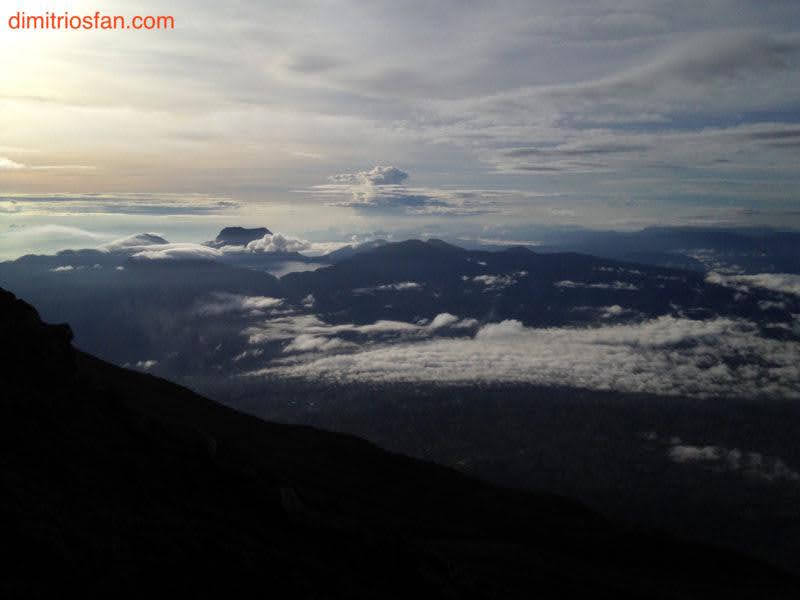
[[118, 483]]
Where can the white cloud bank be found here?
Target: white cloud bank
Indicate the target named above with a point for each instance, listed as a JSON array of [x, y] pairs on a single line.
[[667, 355], [178, 251], [784, 283], [151, 246]]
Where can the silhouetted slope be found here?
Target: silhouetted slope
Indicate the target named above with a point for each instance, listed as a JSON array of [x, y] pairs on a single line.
[[121, 484]]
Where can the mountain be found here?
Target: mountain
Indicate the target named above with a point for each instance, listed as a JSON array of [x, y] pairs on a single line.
[[349, 251], [419, 279], [119, 483], [699, 248], [158, 307], [238, 236]]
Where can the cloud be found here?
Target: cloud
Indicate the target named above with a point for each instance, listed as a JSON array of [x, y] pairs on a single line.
[[313, 343], [222, 303], [121, 203], [146, 365], [402, 286], [382, 190], [379, 175], [614, 311], [784, 283], [499, 282], [63, 269], [668, 356], [750, 464], [277, 243], [290, 326], [134, 242], [443, 320], [6, 164], [614, 285], [583, 85], [174, 252], [254, 353]]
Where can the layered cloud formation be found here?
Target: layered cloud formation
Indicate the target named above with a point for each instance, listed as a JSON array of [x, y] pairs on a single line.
[[667, 355], [382, 190], [151, 246]]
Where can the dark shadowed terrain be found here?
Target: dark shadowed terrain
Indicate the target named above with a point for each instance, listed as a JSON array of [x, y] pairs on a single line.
[[119, 483]]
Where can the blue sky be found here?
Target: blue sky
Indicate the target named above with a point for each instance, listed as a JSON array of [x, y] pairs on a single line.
[[362, 115]]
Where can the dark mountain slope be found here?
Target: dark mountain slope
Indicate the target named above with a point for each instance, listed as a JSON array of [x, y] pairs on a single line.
[[133, 313], [117, 483]]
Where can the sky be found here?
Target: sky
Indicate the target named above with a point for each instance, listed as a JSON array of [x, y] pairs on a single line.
[[354, 115]]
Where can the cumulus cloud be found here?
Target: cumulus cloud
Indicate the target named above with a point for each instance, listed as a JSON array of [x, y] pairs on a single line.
[[442, 320], [667, 355], [222, 303], [379, 175], [63, 269], [277, 243], [383, 189]]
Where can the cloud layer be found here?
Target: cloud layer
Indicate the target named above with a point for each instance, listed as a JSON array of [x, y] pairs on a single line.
[[667, 355]]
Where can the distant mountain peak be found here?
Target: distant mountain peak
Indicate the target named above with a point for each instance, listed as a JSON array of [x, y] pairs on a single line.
[[519, 250], [442, 244], [238, 236]]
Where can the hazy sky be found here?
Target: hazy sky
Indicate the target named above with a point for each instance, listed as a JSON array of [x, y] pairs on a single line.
[[359, 114]]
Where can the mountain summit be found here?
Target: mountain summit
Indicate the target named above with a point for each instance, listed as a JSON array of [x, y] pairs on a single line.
[[238, 236]]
